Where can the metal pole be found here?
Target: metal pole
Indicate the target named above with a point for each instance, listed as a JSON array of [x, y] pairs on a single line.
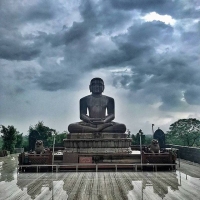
[[153, 130], [53, 151], [140, 132]]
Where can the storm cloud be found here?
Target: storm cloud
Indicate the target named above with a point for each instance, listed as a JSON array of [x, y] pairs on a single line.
[[54, 47]]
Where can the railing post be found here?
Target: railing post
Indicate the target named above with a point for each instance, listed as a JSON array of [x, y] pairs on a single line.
[[96, 167]]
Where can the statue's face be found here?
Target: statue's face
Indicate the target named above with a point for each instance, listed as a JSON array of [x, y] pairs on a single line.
[[39, 143], [96, 86], [155, 142]]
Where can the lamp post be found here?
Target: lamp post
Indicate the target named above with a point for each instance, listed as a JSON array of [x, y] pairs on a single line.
[[54, 138], [153, 130], [140, 133]]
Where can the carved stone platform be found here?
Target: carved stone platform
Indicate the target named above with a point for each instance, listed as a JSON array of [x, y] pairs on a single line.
[[101, 141], [97, 147], [99, 135], [97, 143], [98, 150]]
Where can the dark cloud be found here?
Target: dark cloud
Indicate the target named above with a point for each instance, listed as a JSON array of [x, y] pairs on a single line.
[[161, 6], [153, 73], [53, 81], [44, 10], [100, 16], [178, 8], [19, 90], [162, 60], [137, 44], [192, 11], [162, 81], [98, 19], [14, 13], [171, 99], [15, 50], [25, 74], [72, 35], [191, 37], [192, 95]]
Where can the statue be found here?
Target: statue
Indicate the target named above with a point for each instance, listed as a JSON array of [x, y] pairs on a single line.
[[39, 147], [154, 147], [160, 136], [97, 105]]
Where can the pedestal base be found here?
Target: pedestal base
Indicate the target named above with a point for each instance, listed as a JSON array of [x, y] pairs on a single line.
[[97, 147]]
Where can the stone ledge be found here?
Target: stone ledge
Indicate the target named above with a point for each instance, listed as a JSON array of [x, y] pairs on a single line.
[[98, 150], [97, 143], [97, 139], [100, 135]]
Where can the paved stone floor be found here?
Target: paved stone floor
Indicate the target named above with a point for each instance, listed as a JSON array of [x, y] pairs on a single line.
[[182, 184]]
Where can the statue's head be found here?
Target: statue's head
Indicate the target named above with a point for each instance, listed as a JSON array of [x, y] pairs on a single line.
[[155, 142], [96, 86]]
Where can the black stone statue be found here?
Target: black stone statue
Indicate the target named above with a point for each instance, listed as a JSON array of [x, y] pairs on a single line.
[[160, 136], [93, 109]]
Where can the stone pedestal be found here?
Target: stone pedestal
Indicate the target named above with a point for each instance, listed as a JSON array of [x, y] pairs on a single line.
[[97, 143], [70, 157], [98, 148]]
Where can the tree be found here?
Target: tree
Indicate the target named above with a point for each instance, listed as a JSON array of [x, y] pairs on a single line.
[[40, 132], [60, 137], [148, 139], [25, 144], [136, 138], [1, 142], [184, 132], [133, 139], [9, 138], [19, 141]]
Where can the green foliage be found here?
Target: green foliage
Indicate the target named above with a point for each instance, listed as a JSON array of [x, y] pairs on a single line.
[[25, 143], [133, 139], [148, 139], [184, 132], [136, 138], [41, 132], [19, 141], [11, 138], [9, 135], [44, 132], [60, 137], [1, 142]]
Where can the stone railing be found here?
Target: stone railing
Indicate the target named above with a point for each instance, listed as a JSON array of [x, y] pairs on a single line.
[[187, 153], [4, 153], [19, 150]]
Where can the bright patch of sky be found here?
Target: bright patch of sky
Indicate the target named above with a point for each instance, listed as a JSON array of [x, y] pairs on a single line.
[[122, 71], [167, 19]]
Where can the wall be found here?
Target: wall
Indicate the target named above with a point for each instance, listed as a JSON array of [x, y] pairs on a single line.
[[187, 153]]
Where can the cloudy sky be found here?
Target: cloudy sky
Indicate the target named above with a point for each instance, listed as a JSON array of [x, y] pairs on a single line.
[[147, 53]]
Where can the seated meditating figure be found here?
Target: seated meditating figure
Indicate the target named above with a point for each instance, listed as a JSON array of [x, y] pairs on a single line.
[[97, 105]]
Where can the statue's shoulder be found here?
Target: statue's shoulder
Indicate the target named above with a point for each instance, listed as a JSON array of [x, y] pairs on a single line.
[[108, 98], [85, 98]]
